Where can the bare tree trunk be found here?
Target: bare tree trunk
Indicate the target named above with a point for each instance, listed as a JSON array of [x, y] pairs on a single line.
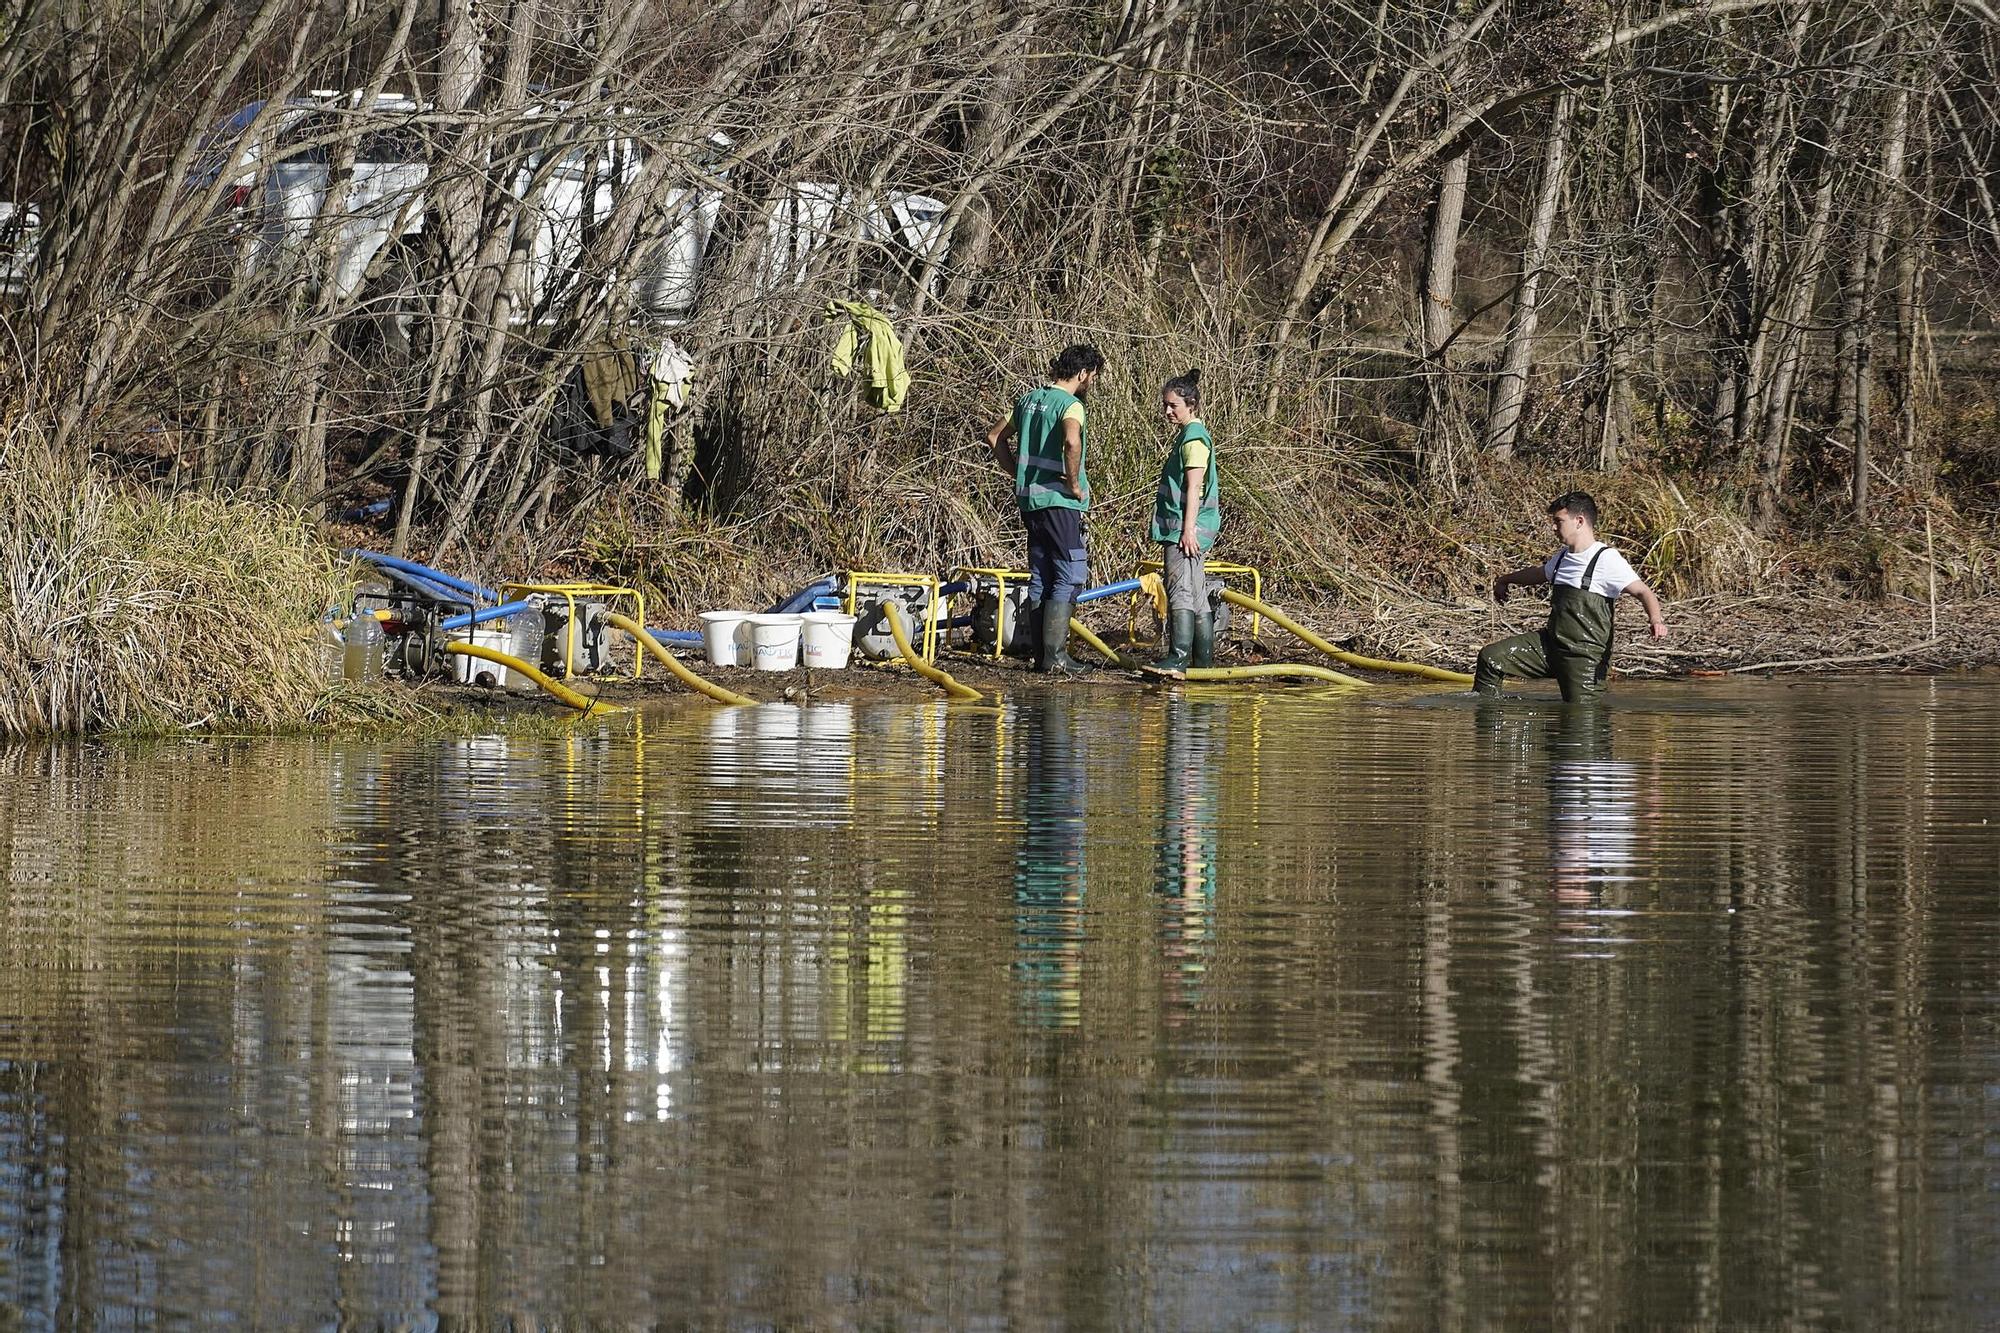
[[1444, 423], [308, 471], [1854, 373], [972, 246], [1755, 265], [1331, 236], [1003, 148], [1510, 387], [1750, 230], [1913, 378], [1796, 304], [1149, 267], [1611, 317], [454, 192], [1790, 337], [1975, 169]]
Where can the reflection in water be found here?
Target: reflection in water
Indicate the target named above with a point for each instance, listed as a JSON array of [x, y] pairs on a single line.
[[1049, 865], [1686, 1012], [1189, 831], [1593, 821]]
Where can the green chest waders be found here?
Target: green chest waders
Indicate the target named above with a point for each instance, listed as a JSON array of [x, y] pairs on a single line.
[[1578, 639]]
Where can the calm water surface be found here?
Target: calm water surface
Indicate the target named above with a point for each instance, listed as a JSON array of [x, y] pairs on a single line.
[[1210, 1011]]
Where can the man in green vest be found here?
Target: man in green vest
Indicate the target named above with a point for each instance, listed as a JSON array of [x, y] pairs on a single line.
[[1586, 578], [1041, 445]]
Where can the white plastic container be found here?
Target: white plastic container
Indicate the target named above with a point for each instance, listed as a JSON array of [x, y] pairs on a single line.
[[725, 637], [828, 639], [774, 641], [477, 670]]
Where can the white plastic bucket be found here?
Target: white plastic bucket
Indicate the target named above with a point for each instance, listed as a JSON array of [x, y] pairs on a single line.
[[725, 637], [828, 639], [477, 670], [774, 641]]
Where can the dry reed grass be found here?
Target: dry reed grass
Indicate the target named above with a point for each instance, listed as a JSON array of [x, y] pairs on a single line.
[[122, 609]]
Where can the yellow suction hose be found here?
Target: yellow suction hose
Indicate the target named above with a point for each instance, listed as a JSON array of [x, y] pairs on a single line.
[[1265, 670], [1273, 670], [673, 664], [942, 679], [1285, 622], [582, 702], [1082, 631]]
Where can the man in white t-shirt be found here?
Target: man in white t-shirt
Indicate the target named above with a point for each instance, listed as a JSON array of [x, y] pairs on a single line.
[[1586, 578]]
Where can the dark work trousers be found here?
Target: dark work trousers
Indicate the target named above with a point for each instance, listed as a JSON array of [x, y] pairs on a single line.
[[1058, 564]]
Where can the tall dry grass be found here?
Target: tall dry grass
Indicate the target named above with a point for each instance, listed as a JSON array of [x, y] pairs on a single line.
[[121, 608]]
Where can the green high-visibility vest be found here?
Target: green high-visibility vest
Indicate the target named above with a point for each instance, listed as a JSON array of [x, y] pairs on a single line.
[[1038, 450], [1170, 497]]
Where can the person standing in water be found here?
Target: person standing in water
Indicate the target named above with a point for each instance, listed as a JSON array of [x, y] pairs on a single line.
[[1186, 517], [1587, 578], [1041, 444]]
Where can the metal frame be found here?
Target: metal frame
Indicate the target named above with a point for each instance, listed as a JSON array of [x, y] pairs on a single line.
[[1001, 578], [859, 578], [569, 592]]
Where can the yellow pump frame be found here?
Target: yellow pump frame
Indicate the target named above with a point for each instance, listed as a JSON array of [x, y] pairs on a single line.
[[858, 579], [569, 592]]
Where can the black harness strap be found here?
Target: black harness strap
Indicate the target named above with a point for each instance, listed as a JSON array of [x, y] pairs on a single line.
[[1588, 569]]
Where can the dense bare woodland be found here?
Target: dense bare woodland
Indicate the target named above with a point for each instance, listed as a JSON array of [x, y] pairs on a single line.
[[1734, 254]]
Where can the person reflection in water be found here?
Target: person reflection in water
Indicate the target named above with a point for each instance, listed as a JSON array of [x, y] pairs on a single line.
[[1593, 817], [1188, 844], [1049, 868]]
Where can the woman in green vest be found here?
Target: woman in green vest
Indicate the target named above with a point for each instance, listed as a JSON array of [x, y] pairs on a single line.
[[1185, 520]]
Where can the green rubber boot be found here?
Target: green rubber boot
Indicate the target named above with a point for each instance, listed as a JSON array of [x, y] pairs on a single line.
[[1180, 641], [1055, 659], [1203, 653]]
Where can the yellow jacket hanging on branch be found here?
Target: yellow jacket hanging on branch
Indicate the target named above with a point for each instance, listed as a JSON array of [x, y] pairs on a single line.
[[888, 381]]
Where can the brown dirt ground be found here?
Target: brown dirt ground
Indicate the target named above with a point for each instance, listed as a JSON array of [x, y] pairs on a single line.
[[1781, 633]]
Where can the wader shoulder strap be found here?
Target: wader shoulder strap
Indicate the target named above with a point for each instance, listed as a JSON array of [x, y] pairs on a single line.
[[1591, 568]]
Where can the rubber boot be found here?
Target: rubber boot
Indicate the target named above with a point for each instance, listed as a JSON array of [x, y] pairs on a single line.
[[1202, 653], [1055, 659], [1180, 641]]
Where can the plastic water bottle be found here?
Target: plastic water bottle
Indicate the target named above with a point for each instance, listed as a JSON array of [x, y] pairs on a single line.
[[361, 649]]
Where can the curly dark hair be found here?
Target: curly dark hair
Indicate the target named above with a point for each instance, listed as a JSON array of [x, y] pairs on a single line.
[[1074, 359]]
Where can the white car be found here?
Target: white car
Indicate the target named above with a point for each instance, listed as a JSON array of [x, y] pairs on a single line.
[[20, 242], [281, 181]]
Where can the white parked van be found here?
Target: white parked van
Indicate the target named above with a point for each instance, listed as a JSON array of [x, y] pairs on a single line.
[[279, 190], [20, 242]]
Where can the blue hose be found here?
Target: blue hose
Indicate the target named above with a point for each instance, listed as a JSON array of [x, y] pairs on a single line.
[[467, 619], [437, 592], [473, 590], [675, 635], [802, 599], [1109, 590], [953, 589]]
